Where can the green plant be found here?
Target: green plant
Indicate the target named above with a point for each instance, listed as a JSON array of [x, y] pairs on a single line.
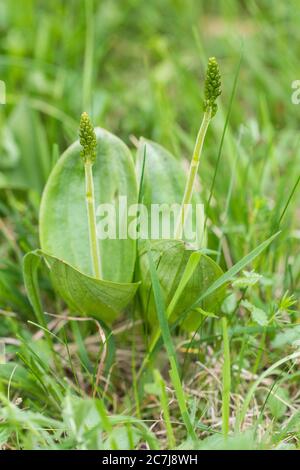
[[51, 367], [176, 283], [68, 229]]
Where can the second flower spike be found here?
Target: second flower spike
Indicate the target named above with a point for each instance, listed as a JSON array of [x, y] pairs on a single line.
[[87, 139], [212, 86]]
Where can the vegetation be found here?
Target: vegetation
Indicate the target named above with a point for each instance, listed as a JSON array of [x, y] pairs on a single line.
[[136, 344]]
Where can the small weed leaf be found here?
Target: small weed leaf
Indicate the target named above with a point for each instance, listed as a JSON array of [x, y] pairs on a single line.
[[258, 315]]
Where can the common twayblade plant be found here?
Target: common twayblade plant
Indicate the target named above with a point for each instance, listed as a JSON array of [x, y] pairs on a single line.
[[98, 277], [95, 276]]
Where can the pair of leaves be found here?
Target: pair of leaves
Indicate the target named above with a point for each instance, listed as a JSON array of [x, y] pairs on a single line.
[[65, 240], [64, 229]]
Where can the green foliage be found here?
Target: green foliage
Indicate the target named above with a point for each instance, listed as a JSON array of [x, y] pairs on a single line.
[[87, 296], [64, 229], [212, 86], [146, 78], [278, 402], [171, 258]]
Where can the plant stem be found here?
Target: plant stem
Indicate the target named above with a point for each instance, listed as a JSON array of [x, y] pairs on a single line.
[[90, 204], [88, 56], [226, 380], [189, 187]]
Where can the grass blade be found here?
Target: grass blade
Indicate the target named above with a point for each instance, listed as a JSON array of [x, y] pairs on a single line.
[[254, 387], [226, 380], [165, 408], [226, 277], [234, 270], [289, 200], [165, 331]]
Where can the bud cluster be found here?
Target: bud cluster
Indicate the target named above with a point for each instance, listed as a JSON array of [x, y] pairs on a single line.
[[212, 86], [87, 138]]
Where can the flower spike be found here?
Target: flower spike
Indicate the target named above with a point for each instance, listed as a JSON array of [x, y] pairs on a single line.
[[212, 86], [87, 139]]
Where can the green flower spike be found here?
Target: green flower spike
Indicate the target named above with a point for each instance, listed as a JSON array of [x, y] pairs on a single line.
[[212, 86], [87, 139], [211, 91]]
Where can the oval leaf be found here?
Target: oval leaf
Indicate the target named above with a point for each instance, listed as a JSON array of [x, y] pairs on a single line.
[[63, 217], [164, 179], [87, 295]]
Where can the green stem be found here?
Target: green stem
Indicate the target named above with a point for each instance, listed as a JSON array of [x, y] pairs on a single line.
[[88, 56], [226, 380], [90, 204], [189, 187]]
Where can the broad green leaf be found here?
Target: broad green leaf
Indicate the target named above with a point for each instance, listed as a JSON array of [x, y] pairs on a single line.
[[171, 258], [85, 295], [63, 218], [89, 296], [189, 269]]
